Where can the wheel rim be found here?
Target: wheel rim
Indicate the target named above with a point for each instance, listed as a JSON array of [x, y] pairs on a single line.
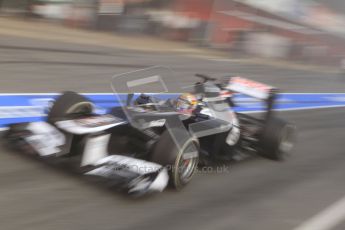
[[81, 108], [287, 139], [187, 165]]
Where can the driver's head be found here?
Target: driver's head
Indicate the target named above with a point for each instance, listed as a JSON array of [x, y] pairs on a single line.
[[186, 103]]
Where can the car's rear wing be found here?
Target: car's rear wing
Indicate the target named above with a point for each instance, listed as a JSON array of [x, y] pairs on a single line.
[[254, 89]]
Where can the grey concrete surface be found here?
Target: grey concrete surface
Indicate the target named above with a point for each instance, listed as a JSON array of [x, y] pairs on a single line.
[[40, 66], [340, 226], [256, 194]]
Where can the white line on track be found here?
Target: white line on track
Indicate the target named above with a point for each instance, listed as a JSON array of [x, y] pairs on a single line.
[[326, 219]]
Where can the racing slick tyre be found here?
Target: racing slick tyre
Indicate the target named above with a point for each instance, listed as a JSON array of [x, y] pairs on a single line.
[[181, 161], [277, 139], [69, 103]]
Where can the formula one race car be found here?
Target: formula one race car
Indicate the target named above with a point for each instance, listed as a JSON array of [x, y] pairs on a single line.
[[149, 142]]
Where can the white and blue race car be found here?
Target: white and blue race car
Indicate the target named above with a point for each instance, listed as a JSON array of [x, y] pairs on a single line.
[[149, 143]]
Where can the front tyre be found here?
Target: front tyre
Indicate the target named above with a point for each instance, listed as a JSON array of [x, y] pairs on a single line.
[[180, 159], [67, 104]]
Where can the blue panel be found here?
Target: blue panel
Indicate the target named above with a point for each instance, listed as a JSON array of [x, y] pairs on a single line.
[[16, 108]]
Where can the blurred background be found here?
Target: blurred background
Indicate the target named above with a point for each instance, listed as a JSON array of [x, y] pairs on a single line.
[[309, 31], [298, 46]]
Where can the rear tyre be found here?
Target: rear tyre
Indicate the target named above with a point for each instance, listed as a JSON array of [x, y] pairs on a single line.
[[69, 103], [180, 164], [277, 139]]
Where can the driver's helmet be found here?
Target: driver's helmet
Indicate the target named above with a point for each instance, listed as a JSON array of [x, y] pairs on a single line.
[[186, 103]]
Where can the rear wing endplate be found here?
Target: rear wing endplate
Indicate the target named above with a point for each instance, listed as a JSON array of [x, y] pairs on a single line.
[[254, 89]]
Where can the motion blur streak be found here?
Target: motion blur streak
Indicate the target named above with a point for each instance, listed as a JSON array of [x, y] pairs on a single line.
[[297, 46]]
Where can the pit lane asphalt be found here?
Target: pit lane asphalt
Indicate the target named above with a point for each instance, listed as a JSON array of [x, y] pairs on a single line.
[[255, 194]]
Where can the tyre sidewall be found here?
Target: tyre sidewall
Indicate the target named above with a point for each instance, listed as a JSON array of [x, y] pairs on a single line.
[[64, 103], [272, 138], [168, 154]]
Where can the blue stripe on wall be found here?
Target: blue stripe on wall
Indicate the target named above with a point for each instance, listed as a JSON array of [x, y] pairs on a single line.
[[30, 107]]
